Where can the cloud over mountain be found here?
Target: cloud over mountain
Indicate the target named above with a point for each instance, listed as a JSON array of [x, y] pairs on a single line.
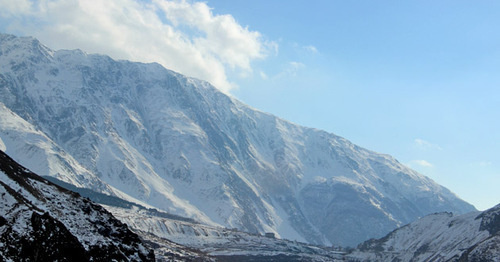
[[184, 36]]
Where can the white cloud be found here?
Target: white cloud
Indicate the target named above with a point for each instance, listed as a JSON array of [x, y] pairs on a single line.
[[311, 49], [425, 145], [183, 36], [422, 163], [263, 75], [291, 69], [12, 8], [294, 66], [305, 49], [222, 35]]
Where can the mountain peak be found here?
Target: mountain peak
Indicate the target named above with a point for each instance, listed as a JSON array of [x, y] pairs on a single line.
[[32, 50]]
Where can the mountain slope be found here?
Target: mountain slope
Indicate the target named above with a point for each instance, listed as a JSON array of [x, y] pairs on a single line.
[[439, 237], [153, 136], [220, 243], [44, 222], [193, 241]]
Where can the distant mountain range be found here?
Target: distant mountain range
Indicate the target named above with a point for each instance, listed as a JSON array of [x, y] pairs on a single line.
[[157, 138]]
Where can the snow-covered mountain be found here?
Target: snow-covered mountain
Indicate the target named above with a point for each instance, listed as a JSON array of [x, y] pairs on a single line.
[[158, 138], [474, 236], [40, 221]]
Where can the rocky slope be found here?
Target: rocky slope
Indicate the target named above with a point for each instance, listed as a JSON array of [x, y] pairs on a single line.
[[439, 237], [40, 221], [152, 136]]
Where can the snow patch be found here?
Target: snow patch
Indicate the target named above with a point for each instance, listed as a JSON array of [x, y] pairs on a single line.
[[2, 145]]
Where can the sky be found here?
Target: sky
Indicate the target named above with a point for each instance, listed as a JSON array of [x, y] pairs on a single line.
[[419, 80]]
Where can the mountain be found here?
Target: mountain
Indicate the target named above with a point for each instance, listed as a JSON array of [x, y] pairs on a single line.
[[191, 240], [163, 140], [43, 221], [40, 221], [439, 237]]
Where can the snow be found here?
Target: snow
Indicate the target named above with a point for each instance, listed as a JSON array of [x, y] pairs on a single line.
[[285, 229], [153, 136], [24, 194], [441, 236], [39, 153], [2, 145], [218, 241]]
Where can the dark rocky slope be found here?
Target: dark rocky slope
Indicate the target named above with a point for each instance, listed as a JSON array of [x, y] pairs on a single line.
[[40, 221]]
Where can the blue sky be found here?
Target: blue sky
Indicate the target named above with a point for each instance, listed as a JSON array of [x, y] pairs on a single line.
[[418, 80], [415, 79]]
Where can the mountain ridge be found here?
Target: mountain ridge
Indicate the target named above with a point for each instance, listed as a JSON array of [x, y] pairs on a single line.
[[439, 237], [155, 137]]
